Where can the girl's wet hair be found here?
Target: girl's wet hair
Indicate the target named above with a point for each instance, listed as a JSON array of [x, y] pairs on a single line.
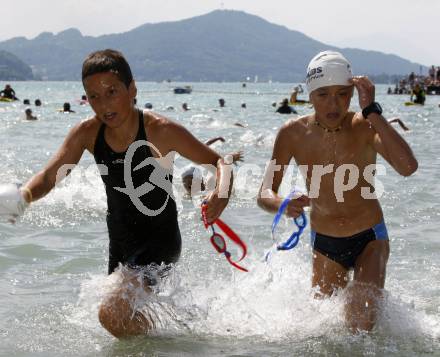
[[107, 61]]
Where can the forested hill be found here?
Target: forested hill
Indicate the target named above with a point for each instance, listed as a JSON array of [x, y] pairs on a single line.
[[223, 45]]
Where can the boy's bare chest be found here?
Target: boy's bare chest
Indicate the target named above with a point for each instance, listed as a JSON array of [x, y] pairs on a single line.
[[333, 148]]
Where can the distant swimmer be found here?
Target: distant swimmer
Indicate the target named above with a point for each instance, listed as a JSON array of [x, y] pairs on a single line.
[[221, 102], [185, 107], [37, 102], [400, 122], [84, 100], [192, 176], [66, 108], [419, 95], [28, 113], [336, 151], [26, 102], [8, 92], [243, 105], [142, 213], [294, 97], [285, 108], [148, 106]]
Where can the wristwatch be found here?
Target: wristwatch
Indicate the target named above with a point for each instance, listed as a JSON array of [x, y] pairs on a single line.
[[372, 108], [228, 159]]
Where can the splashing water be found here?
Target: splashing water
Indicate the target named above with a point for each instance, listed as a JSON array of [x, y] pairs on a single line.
[[53, 261]]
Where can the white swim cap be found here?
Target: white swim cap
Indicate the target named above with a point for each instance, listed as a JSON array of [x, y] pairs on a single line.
[[328, 68]]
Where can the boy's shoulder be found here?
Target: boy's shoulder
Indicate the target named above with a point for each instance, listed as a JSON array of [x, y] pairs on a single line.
[[292, 132], [296, 126]]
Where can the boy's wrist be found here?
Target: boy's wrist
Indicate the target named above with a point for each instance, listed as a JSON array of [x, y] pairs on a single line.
[[228, 159], [375, 118], [372, 108], [221, 195], [26, 194]]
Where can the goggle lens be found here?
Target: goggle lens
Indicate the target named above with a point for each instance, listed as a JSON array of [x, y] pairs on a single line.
[[218, 242]]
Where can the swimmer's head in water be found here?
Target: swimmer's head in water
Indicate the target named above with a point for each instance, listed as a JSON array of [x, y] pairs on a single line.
[[192, 180], [66, 107], [328, 68], [107, 61]]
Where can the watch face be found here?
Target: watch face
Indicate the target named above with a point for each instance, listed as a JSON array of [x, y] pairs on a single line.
[[379, 108]]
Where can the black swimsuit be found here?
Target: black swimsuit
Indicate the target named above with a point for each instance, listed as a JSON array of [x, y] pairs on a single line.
[[137, 239], [346, 250]]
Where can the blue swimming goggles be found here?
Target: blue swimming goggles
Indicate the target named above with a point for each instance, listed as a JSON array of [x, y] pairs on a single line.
[[300, 222]]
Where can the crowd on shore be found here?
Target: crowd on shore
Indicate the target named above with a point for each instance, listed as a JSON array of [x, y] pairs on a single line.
[[430, 83]]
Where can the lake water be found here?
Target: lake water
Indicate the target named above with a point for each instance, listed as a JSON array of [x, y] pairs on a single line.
[[53, 262]]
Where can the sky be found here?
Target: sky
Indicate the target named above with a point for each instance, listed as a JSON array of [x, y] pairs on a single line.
[[402, 27]]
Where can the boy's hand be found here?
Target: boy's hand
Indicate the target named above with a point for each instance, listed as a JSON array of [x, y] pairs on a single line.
[[237, 156], [366, 90], [215, 206], [296, 206]]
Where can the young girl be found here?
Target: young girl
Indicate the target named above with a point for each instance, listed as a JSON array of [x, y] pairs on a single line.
[[135, 152]]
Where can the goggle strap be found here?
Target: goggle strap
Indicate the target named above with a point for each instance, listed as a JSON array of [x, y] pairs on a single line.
[[234, 264], [232, 236], [205, 220]]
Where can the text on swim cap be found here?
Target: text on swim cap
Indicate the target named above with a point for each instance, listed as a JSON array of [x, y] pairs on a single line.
[[314, 73]]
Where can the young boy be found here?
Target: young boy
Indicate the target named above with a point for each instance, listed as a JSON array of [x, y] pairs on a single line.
[[348, 231], [142, 222]]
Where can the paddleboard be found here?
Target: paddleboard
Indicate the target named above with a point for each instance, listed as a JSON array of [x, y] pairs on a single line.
[[299, 103], [411, 103]]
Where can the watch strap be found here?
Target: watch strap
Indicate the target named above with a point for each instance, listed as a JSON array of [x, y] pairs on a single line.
[[374, 107]]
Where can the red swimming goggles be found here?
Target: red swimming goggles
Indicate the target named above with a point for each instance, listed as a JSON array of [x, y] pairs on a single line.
[[219, 242]]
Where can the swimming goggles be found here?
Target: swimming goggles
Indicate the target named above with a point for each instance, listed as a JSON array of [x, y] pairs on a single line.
[[300, 222], [219, 242]]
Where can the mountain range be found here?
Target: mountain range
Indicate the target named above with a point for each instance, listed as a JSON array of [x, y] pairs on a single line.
[[223, 45]]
